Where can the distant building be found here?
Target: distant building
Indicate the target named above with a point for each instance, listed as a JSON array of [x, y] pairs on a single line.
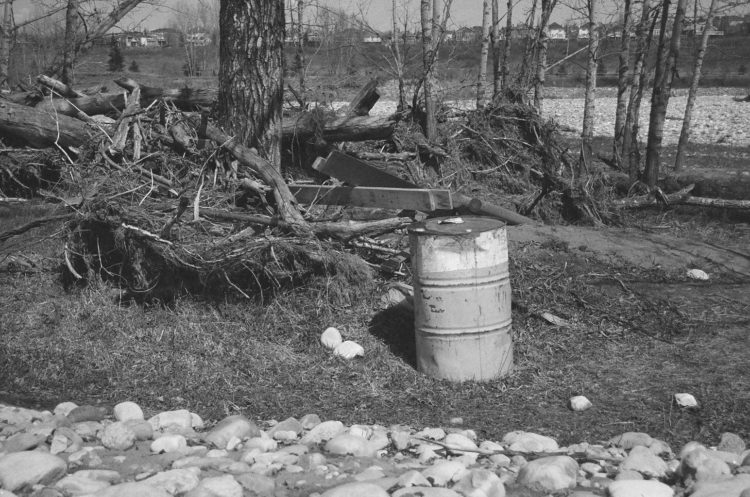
[[556, 32], [469, 35], [583, 33], [733, 25], [373, 38], [693, 28], [170, 37]]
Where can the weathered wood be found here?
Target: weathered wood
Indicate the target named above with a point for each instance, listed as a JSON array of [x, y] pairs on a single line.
[[340, 129], [41, 129], [285, 201], [384, 198], [385, 156], [58, 87], [364, 100], [358, 173], [105, 103], [183, 98], [716, 202], [650, 200], [119, 139], [712, 183], [482, 208]]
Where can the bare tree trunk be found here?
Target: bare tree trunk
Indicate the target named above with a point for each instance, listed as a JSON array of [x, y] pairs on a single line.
[[665, 68], [69, 50], [482, 79], [299, 58], [251, 74], [623, 85], [630, 147], [587, 133], [399, 63], [542, 42], [685, 132], [6, 42], [524, 75], [430, 127], [506, 49], [497, 81]]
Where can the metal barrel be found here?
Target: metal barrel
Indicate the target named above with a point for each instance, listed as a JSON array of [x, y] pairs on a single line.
[[462, 298]]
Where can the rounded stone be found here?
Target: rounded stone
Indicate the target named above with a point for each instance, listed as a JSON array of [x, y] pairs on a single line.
[[21, 470], [550, 474], [117, 436], [638, 488], [345, 444], [127, 411]]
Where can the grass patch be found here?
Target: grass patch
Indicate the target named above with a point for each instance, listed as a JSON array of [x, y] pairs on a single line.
[[628, 350]]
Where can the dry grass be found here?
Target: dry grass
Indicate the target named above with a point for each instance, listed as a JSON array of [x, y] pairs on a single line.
[[627, 350]]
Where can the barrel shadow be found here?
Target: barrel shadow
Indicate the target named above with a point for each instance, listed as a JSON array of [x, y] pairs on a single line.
[[395, 326]]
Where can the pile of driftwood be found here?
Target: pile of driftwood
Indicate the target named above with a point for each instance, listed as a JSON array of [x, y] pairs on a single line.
[[163, 202]]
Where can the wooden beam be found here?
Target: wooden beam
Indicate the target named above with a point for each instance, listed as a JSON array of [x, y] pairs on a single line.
[[358, 173], [374, 197]]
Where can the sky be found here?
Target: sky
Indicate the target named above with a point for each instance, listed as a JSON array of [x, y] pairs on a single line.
[[376, 12]]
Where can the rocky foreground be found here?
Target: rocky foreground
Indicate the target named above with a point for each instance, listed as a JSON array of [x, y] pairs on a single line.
[[94, 451]]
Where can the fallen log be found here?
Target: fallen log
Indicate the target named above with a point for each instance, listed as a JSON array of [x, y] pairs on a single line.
[[650, 200], [358, 128], [716, 202], [42, 129], [58, 87], [182, 98], [711, 183], [104, 103]]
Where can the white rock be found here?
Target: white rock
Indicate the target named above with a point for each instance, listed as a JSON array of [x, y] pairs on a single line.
[[703, 464], [232, 426], [21, 470], [639, 488], [5, 493], [65, 439], [685, 400], [196, 422], [262, 443], [257, 484], [356, 489], [217, 486], [522, 441], [630, 439], [349, 350], [169, 443], [459, 441], [309, 421], [108, 475], [331, 338], [412, 478], [133, 489], [180, 418], [344, 444], [644, 461], [697, 274], [323, 432], [550, 474], [580, 403], [77, 484], [431, 434], [480, 483], [175, 481], [117, 436], [64, 408], [360, 431], [127, 411], [142, 429], [730, 487], [443, 472], [401, 439]]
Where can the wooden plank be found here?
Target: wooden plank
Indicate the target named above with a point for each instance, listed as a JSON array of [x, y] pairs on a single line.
[[374, 197], [358, 173]]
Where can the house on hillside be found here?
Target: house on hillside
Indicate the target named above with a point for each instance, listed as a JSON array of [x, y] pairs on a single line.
[[372, 38], [556, 32], [469, 35], [583, 33], [168, 37]]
